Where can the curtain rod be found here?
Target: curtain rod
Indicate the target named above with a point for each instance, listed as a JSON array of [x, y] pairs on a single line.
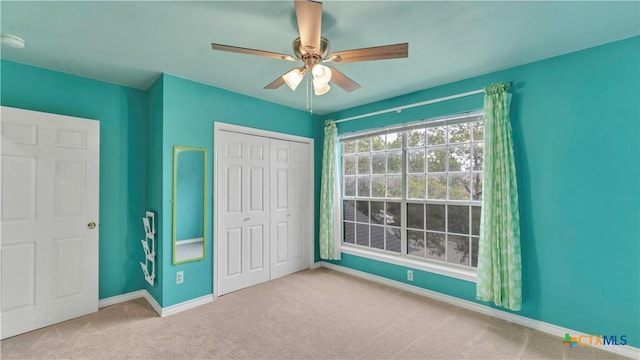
[[398, 109]]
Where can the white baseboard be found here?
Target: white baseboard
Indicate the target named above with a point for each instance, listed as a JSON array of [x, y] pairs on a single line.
[[624, 350], [162, 312], [152, 301], [121, 298], [186, 305]]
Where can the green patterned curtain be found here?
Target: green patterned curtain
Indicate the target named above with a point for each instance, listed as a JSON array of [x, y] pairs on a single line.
[[329, 202], [499, 265]]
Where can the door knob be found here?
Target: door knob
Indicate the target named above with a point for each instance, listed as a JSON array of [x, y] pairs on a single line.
[[247, 219], [91, 225]]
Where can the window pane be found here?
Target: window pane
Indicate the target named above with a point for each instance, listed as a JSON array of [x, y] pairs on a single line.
[[415, 216], [435, 217], [474, 251], [378, 215], [349, 164], [349, 186], [435, 246], [459, 133], [436, 158], [377, 237], [393, 239], [459, 158], [458, 219], [478, 157], [364, 161], [362, 211], [459, 186], [362, 234], [475, 220], [394, 141], [377, 143], [458, 249], [437, 186], [476, 186], [393, 210], [416, 138], [377, 163], [416, 186], [349, 147], [436, 135], [364, 145], [363, 186], [349, 232], [394, 162], [394, 186], [477, 129], [415, 161], [348, 210], [415, 243], [378, 186]]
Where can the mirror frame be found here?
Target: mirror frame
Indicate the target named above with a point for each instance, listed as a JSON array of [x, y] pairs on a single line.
[[177, 149]]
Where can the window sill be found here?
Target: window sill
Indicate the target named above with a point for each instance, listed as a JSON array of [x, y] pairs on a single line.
[[450, 271]]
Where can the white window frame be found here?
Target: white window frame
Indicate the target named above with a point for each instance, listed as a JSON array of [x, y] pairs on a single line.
[[453, 270]]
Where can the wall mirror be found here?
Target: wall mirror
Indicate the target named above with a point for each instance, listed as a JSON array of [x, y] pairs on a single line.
[[189, 181]]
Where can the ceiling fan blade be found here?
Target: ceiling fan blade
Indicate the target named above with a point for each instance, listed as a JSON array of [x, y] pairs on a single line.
[[343, 80], [247, 51], [372, 53], [309, 15], [275, 83]]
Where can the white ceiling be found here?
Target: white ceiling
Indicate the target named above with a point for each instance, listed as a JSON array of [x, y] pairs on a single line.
[[130, 43]]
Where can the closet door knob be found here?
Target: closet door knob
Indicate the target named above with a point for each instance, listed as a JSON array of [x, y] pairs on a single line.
[[91, 225], [247, 219]]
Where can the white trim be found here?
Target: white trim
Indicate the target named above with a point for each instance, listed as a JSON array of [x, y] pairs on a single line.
[[217, 126], [624, 350], [186, 305], [221, 126], [121, 298], [446, 270], [152, 301], [162, 312]]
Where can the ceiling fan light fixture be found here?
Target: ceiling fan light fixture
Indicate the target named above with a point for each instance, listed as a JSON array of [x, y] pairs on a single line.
[[293, 78], [320, 88], [321, 73]]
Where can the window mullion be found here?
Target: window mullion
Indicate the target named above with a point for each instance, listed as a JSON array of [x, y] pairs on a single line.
[[403, 203]]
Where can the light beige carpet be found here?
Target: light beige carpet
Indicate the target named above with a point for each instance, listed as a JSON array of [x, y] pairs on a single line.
[[316, 314]]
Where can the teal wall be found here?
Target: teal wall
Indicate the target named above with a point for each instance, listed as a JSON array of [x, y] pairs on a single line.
[[576, 133], [122, 113], [155, 97], [189, 110]]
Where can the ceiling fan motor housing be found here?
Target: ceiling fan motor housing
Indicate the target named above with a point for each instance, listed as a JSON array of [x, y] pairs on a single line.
[[302, 53]]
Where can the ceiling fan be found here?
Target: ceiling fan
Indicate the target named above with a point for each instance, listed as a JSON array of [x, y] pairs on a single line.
[[312, 49]]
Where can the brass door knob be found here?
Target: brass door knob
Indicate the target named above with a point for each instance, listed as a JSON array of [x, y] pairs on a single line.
[[91, 225]]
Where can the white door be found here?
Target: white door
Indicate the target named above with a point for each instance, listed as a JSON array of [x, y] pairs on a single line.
[[289, 173], [49, 250], [243, 211]]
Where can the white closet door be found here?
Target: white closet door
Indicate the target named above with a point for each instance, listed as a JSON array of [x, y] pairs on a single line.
[[289, 173], [243, 211], [49, 246]]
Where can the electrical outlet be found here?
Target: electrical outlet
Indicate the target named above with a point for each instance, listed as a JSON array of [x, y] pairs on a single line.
[[179, 277], [410, 275]]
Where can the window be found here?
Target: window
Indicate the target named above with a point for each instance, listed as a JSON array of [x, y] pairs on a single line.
[[415, 191]]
